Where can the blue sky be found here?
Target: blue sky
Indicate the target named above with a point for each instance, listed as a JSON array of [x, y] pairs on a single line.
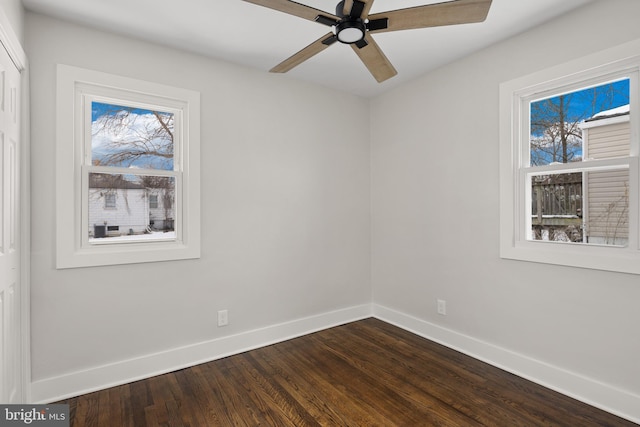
[[578, 106], [588, 102], [136, 135]]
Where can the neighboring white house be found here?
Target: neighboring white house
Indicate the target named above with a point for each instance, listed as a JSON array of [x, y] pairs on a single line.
[[606, 135], [118, 206]]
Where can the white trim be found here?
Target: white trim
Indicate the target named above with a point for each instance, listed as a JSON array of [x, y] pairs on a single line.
[[595, 393], [10, 42], [89, 380], [25, 234], [579, 387]]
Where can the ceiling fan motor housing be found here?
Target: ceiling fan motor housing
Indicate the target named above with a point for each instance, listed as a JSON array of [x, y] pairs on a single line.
[[350, 30]]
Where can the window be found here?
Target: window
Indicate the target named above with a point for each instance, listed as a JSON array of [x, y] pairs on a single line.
[[569, 164], [109, 201], [153, 201], [125, 148]]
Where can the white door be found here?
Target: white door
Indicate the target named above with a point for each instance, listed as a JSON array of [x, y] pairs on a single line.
[[10, 329]]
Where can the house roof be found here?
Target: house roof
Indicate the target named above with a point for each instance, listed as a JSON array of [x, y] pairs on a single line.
[[98, 180], [607, 114]]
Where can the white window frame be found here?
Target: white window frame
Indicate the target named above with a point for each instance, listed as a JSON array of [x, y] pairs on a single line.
[[515, 186], [76, 88]]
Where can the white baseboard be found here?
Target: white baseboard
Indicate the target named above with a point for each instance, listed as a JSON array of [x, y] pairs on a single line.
[[604, 396], [592, 392], [76, 383]]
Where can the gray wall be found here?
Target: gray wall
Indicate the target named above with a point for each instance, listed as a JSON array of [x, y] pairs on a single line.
[[15, 13], [285, 210], [435, 210]]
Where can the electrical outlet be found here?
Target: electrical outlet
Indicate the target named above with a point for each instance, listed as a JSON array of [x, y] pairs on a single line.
[[223, 318], [442, 307]]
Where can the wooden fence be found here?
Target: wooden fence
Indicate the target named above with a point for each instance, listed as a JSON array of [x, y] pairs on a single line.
[[556, 196]]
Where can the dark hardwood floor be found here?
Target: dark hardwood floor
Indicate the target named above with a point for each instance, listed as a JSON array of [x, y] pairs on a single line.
[[366, 373]]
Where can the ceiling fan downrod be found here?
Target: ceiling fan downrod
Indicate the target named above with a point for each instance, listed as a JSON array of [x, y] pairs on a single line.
[[351, 28]]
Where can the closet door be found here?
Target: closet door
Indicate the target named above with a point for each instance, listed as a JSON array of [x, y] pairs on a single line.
[[10, 315]]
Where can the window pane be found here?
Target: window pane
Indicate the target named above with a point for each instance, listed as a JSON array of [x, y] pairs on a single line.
[[556, 123], [556, 207], [131, 137], [589, 207], [120, 208]]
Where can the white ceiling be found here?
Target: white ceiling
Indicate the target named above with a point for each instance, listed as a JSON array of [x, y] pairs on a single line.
[[251, 35]]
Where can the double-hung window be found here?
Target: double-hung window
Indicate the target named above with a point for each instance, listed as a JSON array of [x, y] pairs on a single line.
[[569, 149], [123, 145]]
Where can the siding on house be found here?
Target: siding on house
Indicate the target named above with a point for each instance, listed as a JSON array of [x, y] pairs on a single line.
[[610, 140], [137, 208], [161, 216], [130, 215], [607, 219], [607, 213]]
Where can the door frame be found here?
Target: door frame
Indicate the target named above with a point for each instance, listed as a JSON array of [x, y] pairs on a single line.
[[11, 43]]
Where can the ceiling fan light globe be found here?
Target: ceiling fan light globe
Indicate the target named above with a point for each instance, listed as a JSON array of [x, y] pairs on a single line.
[[350, 35]]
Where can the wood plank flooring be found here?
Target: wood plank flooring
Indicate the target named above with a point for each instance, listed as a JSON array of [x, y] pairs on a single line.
[[366, 373]]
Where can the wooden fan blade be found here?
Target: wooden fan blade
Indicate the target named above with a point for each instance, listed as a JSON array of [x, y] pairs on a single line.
[[375, 60], [435, 15], [293, 8], [313, 49]]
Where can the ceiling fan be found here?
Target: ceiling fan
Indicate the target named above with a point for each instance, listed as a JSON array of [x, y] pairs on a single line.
[[353, 25]]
